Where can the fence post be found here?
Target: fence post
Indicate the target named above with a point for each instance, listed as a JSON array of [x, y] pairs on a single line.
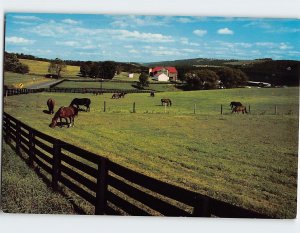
[[194, 108], [56, 164], [249, 109], [202, 208], [221, 109], [133, 108], [101, 187], [7, 133], [18, 138], [31, 147], [104, 107], [275, 109]]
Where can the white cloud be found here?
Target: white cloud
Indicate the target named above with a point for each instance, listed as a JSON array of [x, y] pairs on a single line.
[[26, 17], [284, 46], [134, 21], [71, 21], [225, 31], [200, 32], [265, 44], [19, 41], [133, 51], [184, 20], [68, 43]]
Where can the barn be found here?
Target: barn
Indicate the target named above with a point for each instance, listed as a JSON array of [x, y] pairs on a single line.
[[169, 71]]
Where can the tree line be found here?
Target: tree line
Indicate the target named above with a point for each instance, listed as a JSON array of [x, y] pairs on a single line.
[[202, 78], [12, 63]]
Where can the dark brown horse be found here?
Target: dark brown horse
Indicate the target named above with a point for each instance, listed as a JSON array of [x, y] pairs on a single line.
[[51, 104], [64, 112], [168, 102], [83, 101], [235, 104], [239, 109]]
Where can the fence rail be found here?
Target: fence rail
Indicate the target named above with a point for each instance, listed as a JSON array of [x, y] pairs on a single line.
[[108, 186]]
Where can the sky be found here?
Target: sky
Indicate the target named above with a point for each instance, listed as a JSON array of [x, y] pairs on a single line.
[[140, 38]]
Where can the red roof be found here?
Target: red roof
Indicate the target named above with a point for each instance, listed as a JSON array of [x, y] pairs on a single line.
[[171, 69]]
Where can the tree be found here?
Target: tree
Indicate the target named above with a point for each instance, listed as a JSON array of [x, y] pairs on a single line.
[[232, 77], [201, 79], [143, 80], [12, 63], [85, 68], [57, 66]]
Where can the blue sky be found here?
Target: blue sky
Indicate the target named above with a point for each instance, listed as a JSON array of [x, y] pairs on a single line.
[[137, 38]]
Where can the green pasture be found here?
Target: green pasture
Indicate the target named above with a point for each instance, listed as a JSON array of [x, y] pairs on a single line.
[[247, 160], [117, 85], [14, 79], [41, 68], [123, 76]]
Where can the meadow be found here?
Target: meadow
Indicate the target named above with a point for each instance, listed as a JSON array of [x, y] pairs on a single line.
[[14, 79], [41, 68], [247, 160]]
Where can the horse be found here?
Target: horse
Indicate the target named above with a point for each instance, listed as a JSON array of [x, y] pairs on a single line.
[[239, 109], [235, 104], [50, 104], [122, 94], [115, 96], [152, 94], [84, 101], [64, 112], [166, 101]]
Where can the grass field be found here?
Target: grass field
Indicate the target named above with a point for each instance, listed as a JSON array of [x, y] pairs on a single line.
[[14, 79], [41, 68], [117, 85], [247, 160]]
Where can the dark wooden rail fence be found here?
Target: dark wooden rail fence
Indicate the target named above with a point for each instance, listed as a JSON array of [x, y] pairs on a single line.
[[110, 187]]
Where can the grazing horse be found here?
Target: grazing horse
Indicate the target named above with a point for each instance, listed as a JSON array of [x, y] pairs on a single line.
[[152, 94], [64, 112], [84, 101], [239, 109], [50, 104], [122, 94], [168, 102], [115, 96], [235, 104]]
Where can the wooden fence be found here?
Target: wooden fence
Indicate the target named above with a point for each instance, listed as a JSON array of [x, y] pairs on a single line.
[[110, 187]]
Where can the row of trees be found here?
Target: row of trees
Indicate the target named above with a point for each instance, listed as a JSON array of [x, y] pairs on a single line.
[[198, 79], [12, 63], [107, 69]]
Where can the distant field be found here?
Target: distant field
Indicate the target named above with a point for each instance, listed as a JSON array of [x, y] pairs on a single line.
[[247, 160], [41, 68], [13, 79], [117, 85]]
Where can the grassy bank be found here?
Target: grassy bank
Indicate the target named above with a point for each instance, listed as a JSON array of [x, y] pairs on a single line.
[[24, 192]]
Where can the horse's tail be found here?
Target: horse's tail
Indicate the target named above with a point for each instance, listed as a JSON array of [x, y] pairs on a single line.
[[245, 110], [170, 102]]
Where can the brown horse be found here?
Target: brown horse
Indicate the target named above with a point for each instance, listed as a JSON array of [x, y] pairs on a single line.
[[239, 109], [64, 112], [168, 102], [50, 104]]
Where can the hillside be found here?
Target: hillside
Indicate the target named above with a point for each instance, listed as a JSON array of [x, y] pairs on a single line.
[[41, 68]]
